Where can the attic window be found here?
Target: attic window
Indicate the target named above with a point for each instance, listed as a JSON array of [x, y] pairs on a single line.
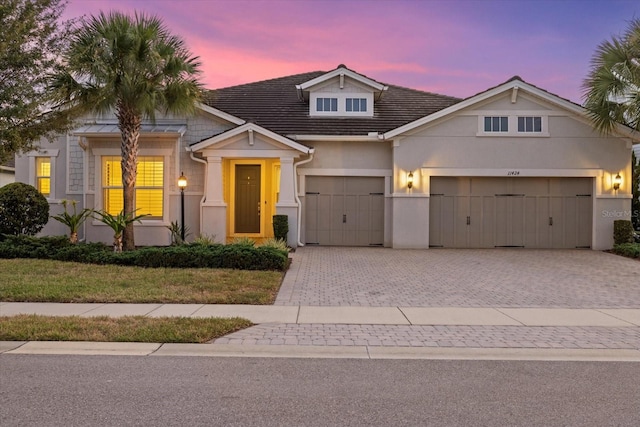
[[496, 124], [530, 124], [356, 105], [327, 104]]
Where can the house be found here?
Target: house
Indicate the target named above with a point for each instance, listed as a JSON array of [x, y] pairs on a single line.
[[352, 161], [7, 172]]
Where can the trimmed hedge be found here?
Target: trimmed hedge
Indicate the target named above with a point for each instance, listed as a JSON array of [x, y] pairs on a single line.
[[239, 257], [629, 250], [622, 231]]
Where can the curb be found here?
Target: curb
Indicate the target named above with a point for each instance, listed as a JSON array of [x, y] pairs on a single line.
[[83, 348]]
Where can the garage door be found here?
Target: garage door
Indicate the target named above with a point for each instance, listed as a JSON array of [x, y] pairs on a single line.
[[344, 211], [510, 212]]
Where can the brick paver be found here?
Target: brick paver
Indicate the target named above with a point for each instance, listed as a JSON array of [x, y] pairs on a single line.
[[557, 337], [335, 276]]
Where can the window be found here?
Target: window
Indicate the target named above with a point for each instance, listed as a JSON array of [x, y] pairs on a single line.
[[496, 124], [356, 104], [149, 192], [530, 124], [327, 104], [43, 175]]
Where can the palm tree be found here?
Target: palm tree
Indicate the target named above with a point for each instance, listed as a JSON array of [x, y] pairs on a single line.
[[612, 87], [132, 65]]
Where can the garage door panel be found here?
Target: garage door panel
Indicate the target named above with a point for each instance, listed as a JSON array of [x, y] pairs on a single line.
[[508, 212], [347, 211]]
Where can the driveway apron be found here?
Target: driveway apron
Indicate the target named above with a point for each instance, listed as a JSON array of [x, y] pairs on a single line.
[[379, 277]]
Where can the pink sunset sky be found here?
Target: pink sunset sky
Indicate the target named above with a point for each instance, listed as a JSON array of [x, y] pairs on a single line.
[[455, 47]]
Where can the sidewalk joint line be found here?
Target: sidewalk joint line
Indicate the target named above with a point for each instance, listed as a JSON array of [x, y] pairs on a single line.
[[404, 315], [510, 317]]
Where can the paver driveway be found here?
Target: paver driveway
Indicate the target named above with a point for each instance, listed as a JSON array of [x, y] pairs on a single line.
[[335, 276]]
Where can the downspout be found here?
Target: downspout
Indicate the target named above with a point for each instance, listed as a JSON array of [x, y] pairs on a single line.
[[206, 172], [295, 191]]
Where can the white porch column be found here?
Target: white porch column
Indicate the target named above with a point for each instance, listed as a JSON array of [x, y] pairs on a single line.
[[214, 182], [286, 202], [287, 196], [213, 212]]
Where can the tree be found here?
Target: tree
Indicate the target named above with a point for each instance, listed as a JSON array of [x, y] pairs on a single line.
[[612, 87], [132, 65], [635, 183], [23, 209], [31, 41]]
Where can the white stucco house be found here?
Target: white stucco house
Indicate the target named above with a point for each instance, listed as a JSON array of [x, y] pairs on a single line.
[[352, 161]]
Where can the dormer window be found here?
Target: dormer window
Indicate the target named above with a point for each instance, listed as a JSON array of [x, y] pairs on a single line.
[[341, 93], [341, 104], [356, 104], [327, 104]]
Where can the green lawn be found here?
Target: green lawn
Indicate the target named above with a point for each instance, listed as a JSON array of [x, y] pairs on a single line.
[[121, 329], [36, 280]]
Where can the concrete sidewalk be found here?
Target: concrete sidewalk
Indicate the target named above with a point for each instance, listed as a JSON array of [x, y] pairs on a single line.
[[370, 332], [260, 314]]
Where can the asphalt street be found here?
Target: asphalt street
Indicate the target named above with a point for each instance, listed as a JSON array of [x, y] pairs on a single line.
[[176, 391]]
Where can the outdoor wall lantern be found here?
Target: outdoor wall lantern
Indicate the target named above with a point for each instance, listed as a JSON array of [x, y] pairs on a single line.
[[617, 181], [410, 180], [182, 184]]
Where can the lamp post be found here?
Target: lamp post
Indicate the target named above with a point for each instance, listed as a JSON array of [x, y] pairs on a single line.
[[182, 184]]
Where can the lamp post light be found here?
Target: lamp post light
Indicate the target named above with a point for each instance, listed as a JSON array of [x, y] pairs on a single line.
[[182, 184]]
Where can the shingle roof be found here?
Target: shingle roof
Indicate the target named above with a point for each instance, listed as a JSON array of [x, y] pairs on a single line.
[[10, 163], [275, 104]]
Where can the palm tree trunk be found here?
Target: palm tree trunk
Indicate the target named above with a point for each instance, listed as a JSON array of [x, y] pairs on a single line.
[[130, 122]]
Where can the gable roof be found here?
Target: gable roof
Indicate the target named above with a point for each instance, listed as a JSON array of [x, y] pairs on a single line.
[[342, 71], [513, 84], [275, 105], [249, 128]]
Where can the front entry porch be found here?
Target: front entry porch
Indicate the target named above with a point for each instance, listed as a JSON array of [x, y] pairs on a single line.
[[250, 178]]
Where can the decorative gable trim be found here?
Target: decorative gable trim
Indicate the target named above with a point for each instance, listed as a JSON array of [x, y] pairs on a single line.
[[221, 114], [516, 86], [342, 72], [250, 129]]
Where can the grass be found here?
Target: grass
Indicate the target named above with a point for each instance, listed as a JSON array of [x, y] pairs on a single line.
[[121, 329], [36, 280]]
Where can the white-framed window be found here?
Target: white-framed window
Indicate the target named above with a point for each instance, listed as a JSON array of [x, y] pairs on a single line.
[[149, 189], [341, 104], [42, 171], [356, 104], [519, 124], [496, 124], [530, 124], [327, 104], [43, 175]]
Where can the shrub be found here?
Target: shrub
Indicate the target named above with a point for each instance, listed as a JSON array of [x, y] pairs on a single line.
[[275, 243], [629, 250], [622, 231], [281, 227], [243, 241], [241, 257], [32, 247], [83, 252], [23, 209]]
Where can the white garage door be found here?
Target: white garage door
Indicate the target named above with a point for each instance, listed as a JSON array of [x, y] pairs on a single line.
[[510, 212], [344, 211]]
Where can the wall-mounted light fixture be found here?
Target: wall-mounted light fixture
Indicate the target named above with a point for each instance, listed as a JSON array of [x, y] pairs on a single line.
[[410, 180], [617, 180]]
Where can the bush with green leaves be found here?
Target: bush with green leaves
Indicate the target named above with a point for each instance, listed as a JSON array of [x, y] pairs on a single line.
[[240, 257], [23, 209], [32, 247], [622, 231], [629, 250], [281, 227]]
